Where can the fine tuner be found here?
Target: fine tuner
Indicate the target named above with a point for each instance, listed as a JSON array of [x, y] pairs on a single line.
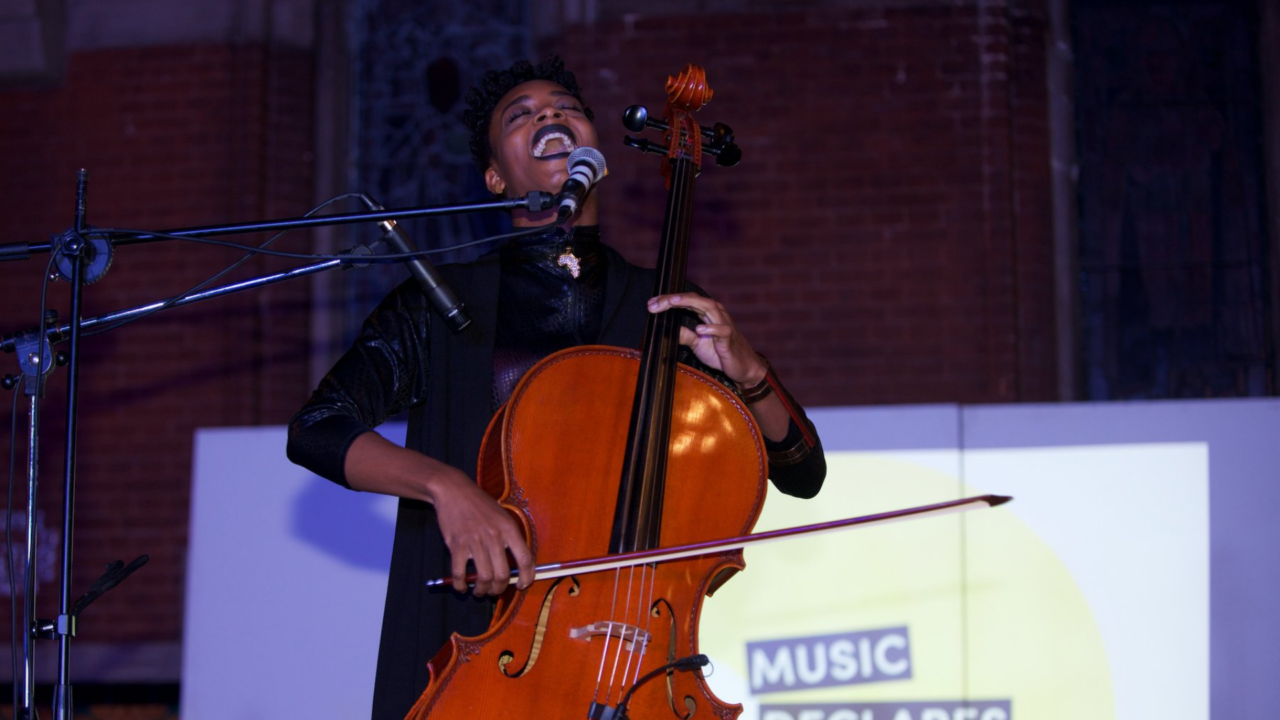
[[719, 137]]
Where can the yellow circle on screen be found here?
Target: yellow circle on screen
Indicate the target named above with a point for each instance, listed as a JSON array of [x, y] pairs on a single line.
[[896, 620]]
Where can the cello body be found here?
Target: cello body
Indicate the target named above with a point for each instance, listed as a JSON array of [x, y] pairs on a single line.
[[561, 645]]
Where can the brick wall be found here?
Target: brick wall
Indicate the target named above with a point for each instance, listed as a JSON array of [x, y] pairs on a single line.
[[172, 137], [886, 239]]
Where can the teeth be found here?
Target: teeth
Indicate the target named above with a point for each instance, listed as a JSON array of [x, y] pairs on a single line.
[[566, 144]]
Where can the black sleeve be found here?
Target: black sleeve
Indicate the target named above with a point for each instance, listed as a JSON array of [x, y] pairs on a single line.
[[797, 465], [383, 373]]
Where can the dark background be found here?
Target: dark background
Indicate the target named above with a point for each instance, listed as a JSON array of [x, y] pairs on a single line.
[[983, 201]]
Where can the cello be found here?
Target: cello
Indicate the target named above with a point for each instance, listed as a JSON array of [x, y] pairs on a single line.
[[657, 454]]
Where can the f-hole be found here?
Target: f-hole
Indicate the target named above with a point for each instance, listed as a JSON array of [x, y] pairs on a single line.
[[539, 633], [656, 611]]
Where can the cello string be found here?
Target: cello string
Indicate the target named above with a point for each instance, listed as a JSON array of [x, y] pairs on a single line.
[[643, 621], [613, 615], [617, 653], [604, 652], [648, 623], [680, 214], [683, 212], [668, 327], [680, 180], [663, 329], [634, 623], [634, 626]]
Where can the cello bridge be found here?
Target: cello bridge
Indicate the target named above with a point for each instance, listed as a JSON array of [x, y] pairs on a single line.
[[628, 634]]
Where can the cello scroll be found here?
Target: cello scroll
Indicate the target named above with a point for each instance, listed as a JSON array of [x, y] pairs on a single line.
[[686, 93]]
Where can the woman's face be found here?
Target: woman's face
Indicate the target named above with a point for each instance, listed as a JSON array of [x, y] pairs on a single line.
[[532, 131]]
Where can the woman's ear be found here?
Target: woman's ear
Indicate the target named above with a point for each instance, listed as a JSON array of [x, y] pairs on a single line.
[[492, 181]]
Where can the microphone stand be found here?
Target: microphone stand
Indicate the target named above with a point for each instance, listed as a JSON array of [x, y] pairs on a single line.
[[535, 201], [36, 361]]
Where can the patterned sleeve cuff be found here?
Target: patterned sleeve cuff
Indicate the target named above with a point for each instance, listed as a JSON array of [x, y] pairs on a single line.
[[790, 450]]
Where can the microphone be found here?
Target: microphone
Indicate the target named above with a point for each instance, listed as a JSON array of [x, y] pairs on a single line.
[[586, 168], [446, 304]]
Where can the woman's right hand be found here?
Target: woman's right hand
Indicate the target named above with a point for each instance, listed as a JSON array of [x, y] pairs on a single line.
[[475, 527]]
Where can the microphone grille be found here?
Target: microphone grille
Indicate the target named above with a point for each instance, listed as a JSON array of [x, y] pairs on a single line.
[[588, 156]]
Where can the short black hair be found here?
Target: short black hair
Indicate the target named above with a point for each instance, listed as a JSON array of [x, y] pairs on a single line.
[[483, 98]]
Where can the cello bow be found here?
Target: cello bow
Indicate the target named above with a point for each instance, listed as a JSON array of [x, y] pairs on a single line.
[[712, 547]]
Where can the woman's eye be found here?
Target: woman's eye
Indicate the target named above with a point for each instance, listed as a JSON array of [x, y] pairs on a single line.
[[516, 114]]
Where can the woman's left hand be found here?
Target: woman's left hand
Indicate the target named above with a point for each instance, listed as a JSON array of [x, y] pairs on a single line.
[[715, 340]]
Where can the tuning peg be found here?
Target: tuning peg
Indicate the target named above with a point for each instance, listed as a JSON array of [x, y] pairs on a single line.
[[644, 145], [726, 156], [635, 118]]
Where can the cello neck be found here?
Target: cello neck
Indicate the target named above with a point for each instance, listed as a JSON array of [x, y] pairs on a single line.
[[637, 519], [638, 516]]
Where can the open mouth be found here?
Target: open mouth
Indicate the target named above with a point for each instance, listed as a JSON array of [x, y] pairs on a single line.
[[553, 141]]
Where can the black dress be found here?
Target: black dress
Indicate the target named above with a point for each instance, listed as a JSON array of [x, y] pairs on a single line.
[[525, 304]]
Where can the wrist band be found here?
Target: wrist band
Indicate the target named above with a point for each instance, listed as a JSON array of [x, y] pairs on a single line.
[[760, 390]]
